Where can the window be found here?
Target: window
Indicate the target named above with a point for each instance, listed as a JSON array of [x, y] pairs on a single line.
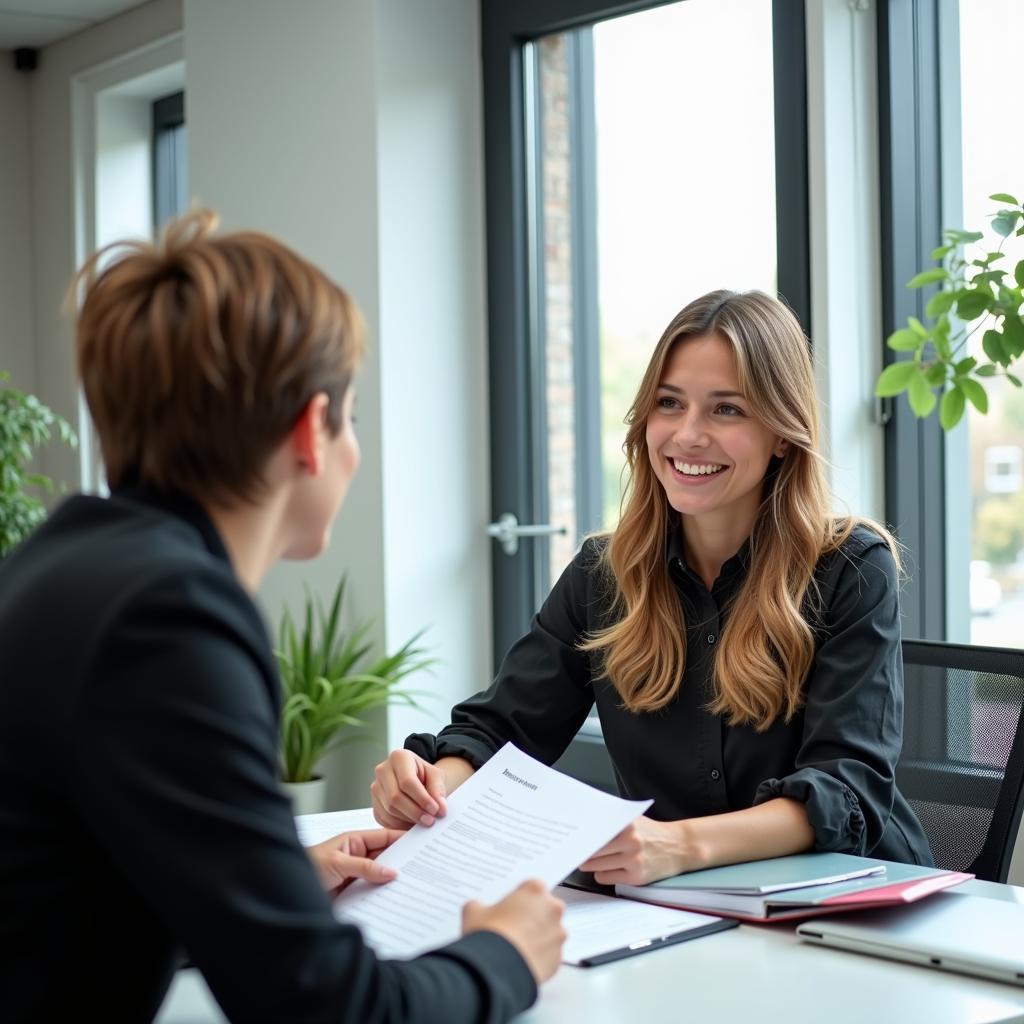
[[956, 500], [617, 192], [989, 455], [170, 159]]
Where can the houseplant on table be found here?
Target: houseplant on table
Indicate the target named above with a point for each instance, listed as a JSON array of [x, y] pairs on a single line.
[[977, 290], [25, 425], [328, 683]]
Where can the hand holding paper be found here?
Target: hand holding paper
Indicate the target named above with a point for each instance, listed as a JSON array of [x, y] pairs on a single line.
[[530, 918], [513, 820], [351, 855]]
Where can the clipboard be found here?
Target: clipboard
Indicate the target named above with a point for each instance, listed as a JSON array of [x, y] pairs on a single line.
[[603, 928]]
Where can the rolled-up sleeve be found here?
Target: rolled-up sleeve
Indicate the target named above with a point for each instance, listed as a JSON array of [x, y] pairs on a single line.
[[845, 765], [543, 690]]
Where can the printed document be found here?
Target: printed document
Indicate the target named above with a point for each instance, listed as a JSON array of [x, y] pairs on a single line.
[[512, 820]]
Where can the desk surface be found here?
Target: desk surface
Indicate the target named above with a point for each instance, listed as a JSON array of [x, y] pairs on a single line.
[[749, 973]]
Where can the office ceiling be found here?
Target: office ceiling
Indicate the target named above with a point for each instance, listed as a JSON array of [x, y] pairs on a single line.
[[38, 23]]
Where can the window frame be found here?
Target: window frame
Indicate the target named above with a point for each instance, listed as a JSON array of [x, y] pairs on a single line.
[[911, 180], [514, 422]]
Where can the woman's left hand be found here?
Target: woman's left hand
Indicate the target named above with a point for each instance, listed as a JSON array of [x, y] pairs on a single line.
[[351, 855], [644, 851]]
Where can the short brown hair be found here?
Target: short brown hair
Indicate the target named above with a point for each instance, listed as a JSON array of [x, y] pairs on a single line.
[[197, 354]]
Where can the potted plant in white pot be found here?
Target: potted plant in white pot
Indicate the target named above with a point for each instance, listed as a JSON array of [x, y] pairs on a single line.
[[328, 684], [25, 425]]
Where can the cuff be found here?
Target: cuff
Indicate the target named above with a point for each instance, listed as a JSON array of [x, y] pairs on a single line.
[[432, 748], [833, 809], [501, 967]]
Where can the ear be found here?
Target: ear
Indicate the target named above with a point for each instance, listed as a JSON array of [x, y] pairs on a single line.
[[781, 448], [307, 437]]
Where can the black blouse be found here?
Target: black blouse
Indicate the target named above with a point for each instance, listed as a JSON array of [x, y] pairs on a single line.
[[836, 756]]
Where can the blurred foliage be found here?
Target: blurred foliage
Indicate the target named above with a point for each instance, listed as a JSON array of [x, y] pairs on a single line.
[[977, 289], [25, 425]]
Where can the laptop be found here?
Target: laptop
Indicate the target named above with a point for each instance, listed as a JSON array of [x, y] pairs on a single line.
[[953, 932]]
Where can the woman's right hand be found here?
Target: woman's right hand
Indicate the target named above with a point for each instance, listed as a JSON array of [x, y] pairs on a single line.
[[531, 919], [408, 790]]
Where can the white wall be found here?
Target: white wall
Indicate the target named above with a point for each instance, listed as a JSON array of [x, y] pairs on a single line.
[[345, 135], [433, 345], [53, 229], [16, 343]]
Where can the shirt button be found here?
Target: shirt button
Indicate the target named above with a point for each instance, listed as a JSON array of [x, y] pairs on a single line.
[[711, 638], [715, 774]]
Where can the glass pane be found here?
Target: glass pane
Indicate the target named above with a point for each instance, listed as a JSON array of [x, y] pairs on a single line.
[[993, 161], [668, 117], [685, 181]]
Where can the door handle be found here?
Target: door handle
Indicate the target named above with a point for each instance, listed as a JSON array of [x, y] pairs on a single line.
[[507, 531]]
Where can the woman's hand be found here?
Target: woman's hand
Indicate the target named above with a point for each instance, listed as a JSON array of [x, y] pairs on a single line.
[[351, 855], [644, 851], [407, 790]]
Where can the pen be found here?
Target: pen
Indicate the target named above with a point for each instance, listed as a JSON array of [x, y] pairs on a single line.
[[656, 942]]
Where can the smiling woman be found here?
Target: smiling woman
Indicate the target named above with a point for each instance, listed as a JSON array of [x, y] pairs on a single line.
[[740, 643]]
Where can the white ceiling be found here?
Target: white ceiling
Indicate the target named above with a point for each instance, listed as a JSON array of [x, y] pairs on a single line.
[[41, 22]]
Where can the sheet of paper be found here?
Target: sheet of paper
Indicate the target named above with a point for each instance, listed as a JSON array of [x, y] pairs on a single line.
[[599, 924], [512, 820], [315, 828]]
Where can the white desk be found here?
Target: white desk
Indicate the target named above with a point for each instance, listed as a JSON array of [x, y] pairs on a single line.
[[750, 973]]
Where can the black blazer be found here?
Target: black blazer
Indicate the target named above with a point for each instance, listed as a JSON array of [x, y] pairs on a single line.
[[140, 812]]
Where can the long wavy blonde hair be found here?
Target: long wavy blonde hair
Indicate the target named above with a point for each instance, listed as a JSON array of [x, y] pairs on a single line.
[[767, 645]]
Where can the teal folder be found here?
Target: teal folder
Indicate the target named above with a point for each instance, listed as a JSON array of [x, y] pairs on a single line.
[[799, 886]]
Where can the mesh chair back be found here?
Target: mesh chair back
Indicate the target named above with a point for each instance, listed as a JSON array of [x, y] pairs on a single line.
[[962, 766]]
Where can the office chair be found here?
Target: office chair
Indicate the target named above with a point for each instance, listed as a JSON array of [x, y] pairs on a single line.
[[962, 766]]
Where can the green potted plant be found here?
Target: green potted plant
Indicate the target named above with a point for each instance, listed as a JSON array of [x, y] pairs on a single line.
[[977, 289], [25, 425], [328, 683]]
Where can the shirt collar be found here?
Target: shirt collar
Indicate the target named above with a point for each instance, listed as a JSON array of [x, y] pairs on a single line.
[[180, 505], [675, 554]]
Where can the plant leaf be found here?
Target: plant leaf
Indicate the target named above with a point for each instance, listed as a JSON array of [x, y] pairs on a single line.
[[1013, 335], [928, 277], [895, 378], [1004, 197], [972, 303], [975, 393], [987, 370], [921, 396], [1004, 224], [992, 344], [904, 340], [951, 408], [939, 303], [964, 237]]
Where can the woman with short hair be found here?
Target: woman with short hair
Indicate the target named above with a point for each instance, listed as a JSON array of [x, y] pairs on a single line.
[[142, 814]]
